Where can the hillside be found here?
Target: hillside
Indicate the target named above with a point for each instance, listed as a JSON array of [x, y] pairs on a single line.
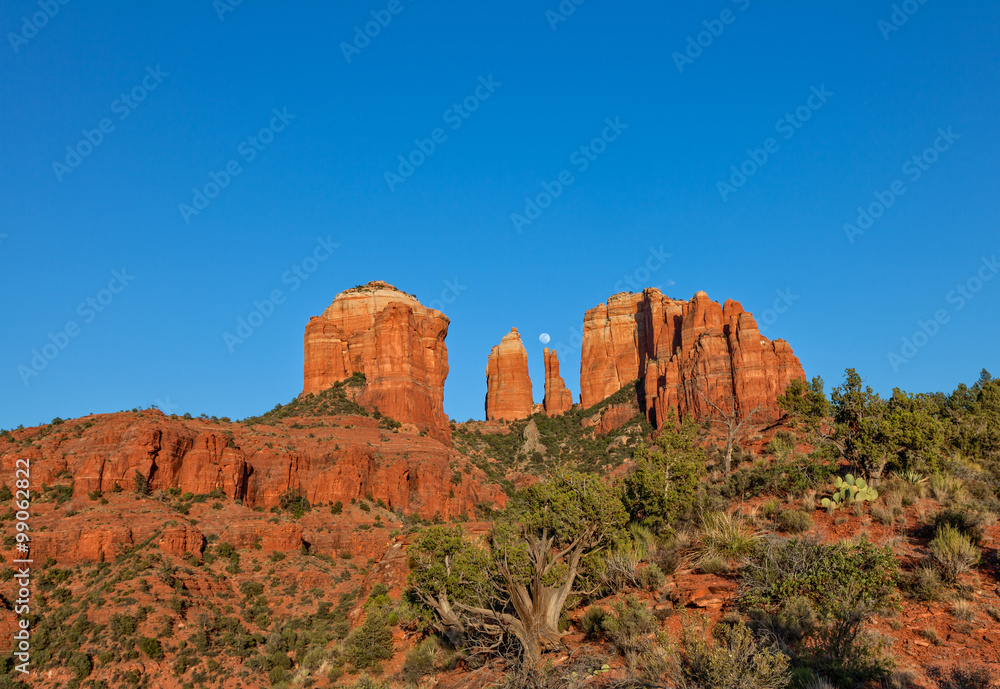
[[141, 578]]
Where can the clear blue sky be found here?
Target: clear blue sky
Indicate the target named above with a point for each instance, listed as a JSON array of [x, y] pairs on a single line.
[[207, 85]]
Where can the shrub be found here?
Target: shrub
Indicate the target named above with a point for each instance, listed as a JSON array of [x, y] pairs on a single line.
[[795, 521], [963, 678], [771, 507], [337, 507], [782, 569], [735, 662], [954, 552], [592, 621], [726, 537], [151, 647], [295, 503], [419, 661], [81, 665], [141, 485], [651, 577], [844, 584], [628, 627], [371, 642], [966, 519], [663, 485], [924, 583], [789, 624]]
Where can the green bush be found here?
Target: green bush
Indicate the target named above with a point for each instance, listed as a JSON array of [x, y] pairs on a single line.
[[651, 577], [151, 647], [662, 486], [953, 552], [419, 661], [726, 537], [629, 626], [592, 621], [81, 665], [923, 583], [794, 521], [293, 502], [817, 598], [816, 571], [736, 661], [370, 643], [964, 518]]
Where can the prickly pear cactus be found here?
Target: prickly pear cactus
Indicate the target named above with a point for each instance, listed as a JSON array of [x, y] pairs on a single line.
[[849, 490]]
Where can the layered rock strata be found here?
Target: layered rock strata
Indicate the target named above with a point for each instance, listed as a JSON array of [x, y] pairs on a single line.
[[395, 341], [689, 355]]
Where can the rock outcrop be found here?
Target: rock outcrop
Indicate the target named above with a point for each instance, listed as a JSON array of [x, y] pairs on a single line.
[[396, 342], [508, 386], [323, 459], [558, 399], [689, 355]]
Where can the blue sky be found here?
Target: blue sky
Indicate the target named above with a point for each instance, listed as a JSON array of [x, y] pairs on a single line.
[[186, 90]]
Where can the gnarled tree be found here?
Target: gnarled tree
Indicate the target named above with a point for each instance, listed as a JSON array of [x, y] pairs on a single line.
[[515, 582]]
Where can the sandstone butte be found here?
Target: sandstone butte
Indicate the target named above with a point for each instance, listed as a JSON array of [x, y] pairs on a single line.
[[395, 341], [558, 398], [508, 387], [686, 353]]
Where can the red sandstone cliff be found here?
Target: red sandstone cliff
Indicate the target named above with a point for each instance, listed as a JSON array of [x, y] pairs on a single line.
[[685, 351], [324, 459], [508, 387], [395, 341], [558, 399]]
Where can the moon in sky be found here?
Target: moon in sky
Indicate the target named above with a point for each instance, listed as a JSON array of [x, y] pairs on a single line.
[[544, 338]]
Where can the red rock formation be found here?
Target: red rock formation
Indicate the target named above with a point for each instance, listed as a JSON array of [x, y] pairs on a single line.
[[340, 458], [508, 387], [558, 399], [397, 343], [688, 353]]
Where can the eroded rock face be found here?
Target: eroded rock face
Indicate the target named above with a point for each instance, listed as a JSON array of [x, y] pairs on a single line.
[[558, 399], [508, 386], [395, 341], [326, 460], [690, 355]]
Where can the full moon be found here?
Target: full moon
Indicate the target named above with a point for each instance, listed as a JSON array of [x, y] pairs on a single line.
[[544, 338]]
